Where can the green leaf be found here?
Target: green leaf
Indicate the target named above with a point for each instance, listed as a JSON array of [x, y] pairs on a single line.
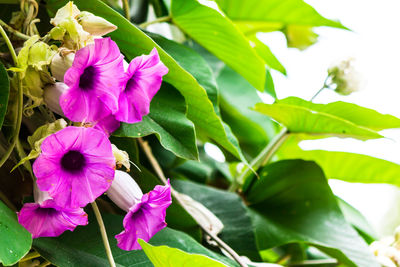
[[266, 54], [349, 167], [357, 220], [168, 121], [163, 256], [4, 92], [269, 15], [68, 250], [337, 119], [230, 209], [218, 35], [237, 97], [292, 202], [15, 240], [133, 42]]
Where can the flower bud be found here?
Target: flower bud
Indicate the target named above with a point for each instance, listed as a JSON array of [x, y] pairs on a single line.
[[51, 96], [68, 11], [60, 64], [121, 157], [95, 25], [346, 77], [124, 191], [203, 216]]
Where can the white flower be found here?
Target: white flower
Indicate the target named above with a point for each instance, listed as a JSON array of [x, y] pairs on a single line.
[[346, 77], [124, 191]]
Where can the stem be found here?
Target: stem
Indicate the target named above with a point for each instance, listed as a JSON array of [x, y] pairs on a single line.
[[13, 31], [157, 168], [125, 5], [22, 154], [20, 100], [30, 256], [322, 89], [158, 20], [103, 234], [263, 157]]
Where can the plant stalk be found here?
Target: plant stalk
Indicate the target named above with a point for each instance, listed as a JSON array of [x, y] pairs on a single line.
[[103, 234], [158, 20], [20, 96], [157, 168], [13, 31], [127, 12]]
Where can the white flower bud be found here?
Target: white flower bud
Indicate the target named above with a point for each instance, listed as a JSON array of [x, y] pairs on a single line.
[[121, 157], [51, 96], [38, 195], [95, 25], [203, 216], [124, 191], [60, 64]]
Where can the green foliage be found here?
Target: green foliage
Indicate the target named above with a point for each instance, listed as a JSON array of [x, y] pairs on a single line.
[[230, 209], [168, 121], [270, 15], [68, 250], [218, 35], [15, 240], [334, 119], [350, 167], [163, 256], [292, 202], [4, 92]]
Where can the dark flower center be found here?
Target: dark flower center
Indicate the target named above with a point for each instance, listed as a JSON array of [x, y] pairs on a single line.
[[73, 161], [46, 211], [130, 84], [88, 78]]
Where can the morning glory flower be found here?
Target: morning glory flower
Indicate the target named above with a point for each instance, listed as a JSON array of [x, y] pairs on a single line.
[[143, 80], [45, 218], [76, 166], [146, 213], [95, 81]]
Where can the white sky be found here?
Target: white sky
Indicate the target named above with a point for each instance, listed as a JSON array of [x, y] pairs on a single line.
[[375, 43]]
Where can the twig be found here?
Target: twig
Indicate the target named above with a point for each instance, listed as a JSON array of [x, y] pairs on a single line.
[[103, 234], [20, 100], [30, 256], [157, 168], [125, 5], [158, 20], [13, 31]]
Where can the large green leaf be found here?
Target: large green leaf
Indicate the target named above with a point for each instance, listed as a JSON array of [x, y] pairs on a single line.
[[237, 97], [4, 92], [133, 42], [68, 250], [168, 121], [350, 167], [15, 240], [218, 35], [198, 67], [292, 202], [269, 15], [163, 256], [230, 209], [338, 118]]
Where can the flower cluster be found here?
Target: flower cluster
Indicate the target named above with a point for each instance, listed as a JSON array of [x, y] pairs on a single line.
[[76, 165]]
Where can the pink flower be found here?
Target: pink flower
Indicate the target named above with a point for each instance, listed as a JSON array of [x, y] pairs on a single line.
[[146, 213], [142, 82], [76, 166], [46, 218], [95, 82]]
